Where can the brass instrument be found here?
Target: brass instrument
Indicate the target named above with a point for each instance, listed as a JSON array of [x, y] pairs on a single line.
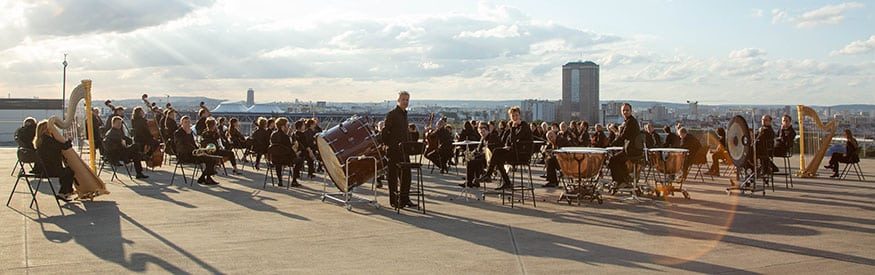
[[814, 140], [205, 151], [88, 185]]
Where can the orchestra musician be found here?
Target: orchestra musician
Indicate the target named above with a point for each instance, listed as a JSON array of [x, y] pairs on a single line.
[[211, 135], [488, 140], [202, 115], [720, 153], [49, 144], [598, 139], [305, 138], [633, 147], [234, 136], [185, 145], [260, 140], [851, 155], [671, 139], [786, 137], [96, 127], [517, 133], [414, 134], [282, 153], [583, 137], [120, 148], [142, 137], [651, 138], [692, 144], [170, 127], [553, 143], [765, 142], [25, 134], [117, 111], [441, 156], [612, 133], [393, 135]]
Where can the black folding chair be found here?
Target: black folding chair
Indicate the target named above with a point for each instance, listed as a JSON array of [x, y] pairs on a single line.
[[521, 164], [30, 156], [855, 164]]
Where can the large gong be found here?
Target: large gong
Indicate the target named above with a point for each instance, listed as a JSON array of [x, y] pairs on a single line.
[[738, 142]]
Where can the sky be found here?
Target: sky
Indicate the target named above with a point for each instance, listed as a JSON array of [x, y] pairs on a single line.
[[714, 52]]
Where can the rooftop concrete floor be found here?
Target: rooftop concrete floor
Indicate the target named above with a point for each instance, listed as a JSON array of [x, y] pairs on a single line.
[[819, 226]]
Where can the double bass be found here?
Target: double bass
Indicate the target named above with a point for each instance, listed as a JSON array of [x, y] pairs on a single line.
[[157, 157]]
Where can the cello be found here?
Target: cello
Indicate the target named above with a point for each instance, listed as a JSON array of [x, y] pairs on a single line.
[[431, 141], [157, 157]]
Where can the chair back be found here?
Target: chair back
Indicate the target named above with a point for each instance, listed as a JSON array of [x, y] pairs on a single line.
[[413, 149], [27, 155], [523, 152]]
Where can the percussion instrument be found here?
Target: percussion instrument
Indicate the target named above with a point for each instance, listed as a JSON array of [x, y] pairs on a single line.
[[739, 143], [346, 141], [669, 162], [583, 165]]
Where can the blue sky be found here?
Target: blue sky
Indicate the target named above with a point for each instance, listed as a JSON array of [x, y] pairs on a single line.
[[772, 52]]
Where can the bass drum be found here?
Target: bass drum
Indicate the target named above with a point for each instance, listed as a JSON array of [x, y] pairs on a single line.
[[352, 138]]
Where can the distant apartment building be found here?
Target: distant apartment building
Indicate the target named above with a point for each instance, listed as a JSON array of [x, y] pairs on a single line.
[[534, 110], [580, 91]]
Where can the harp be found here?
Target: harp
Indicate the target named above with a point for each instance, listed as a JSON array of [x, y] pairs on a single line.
[[814, 139]]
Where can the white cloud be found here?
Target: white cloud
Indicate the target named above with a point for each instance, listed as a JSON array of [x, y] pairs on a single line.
[[857, 47], [756, 13], [826, 15], [746, 53], [500, 31]]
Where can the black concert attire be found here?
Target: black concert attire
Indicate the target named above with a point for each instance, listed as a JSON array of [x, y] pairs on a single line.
[[24, 136], [652, 140], [392, 136], [582, 139], [476, 165], [414, 136], [185, 145], [511, 138], [96, 130], [612, 137], [765, 142], [120, 148], [672, 140], [851, 155], [170, 128], [49, 150], [633, 149], [568, 137], [260, 143], [236, 138], [208, 137], [282, 154], [552, 163], [200, 126], [692, 144], [142, 136], [785, 141], [306, 140], [444, 152], [600, 140]]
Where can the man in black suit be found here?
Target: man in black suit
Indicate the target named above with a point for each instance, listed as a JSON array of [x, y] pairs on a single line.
[[518, 133], [633, 147], [442, 155], [393, 135], [120, 148], [671, 139], [765, 143], [692, 144], [489, 140]]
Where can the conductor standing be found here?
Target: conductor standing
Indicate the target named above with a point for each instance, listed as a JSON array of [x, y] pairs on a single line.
[[393, 135]]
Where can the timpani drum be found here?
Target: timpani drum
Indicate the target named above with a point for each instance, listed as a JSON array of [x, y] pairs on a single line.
[[668, 160], [347, 141], [580, 162]]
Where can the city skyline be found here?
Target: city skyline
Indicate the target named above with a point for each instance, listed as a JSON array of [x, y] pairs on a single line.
[[813, 52]]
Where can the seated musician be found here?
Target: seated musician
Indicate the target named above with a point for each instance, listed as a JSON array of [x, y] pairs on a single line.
[[411, 130], [651, 138], [170, 127], [537, 134], [765, 142], [24, 135], [211, 135], [583, 137], [183, 139], [96, 128], [598, 139], [49, 144], [304, 136], [517, 133], [222, 127], [441, 157], [282, 151], [691, 143], [718, 154], [143, 140], [566, 133], [234, 136], [633, 148], [851, 155], [786, 137], [201, 124], [260, 140], [672, 140], [613, 130], [553, 143], [118, 111], [489, 140], [120, 148]]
